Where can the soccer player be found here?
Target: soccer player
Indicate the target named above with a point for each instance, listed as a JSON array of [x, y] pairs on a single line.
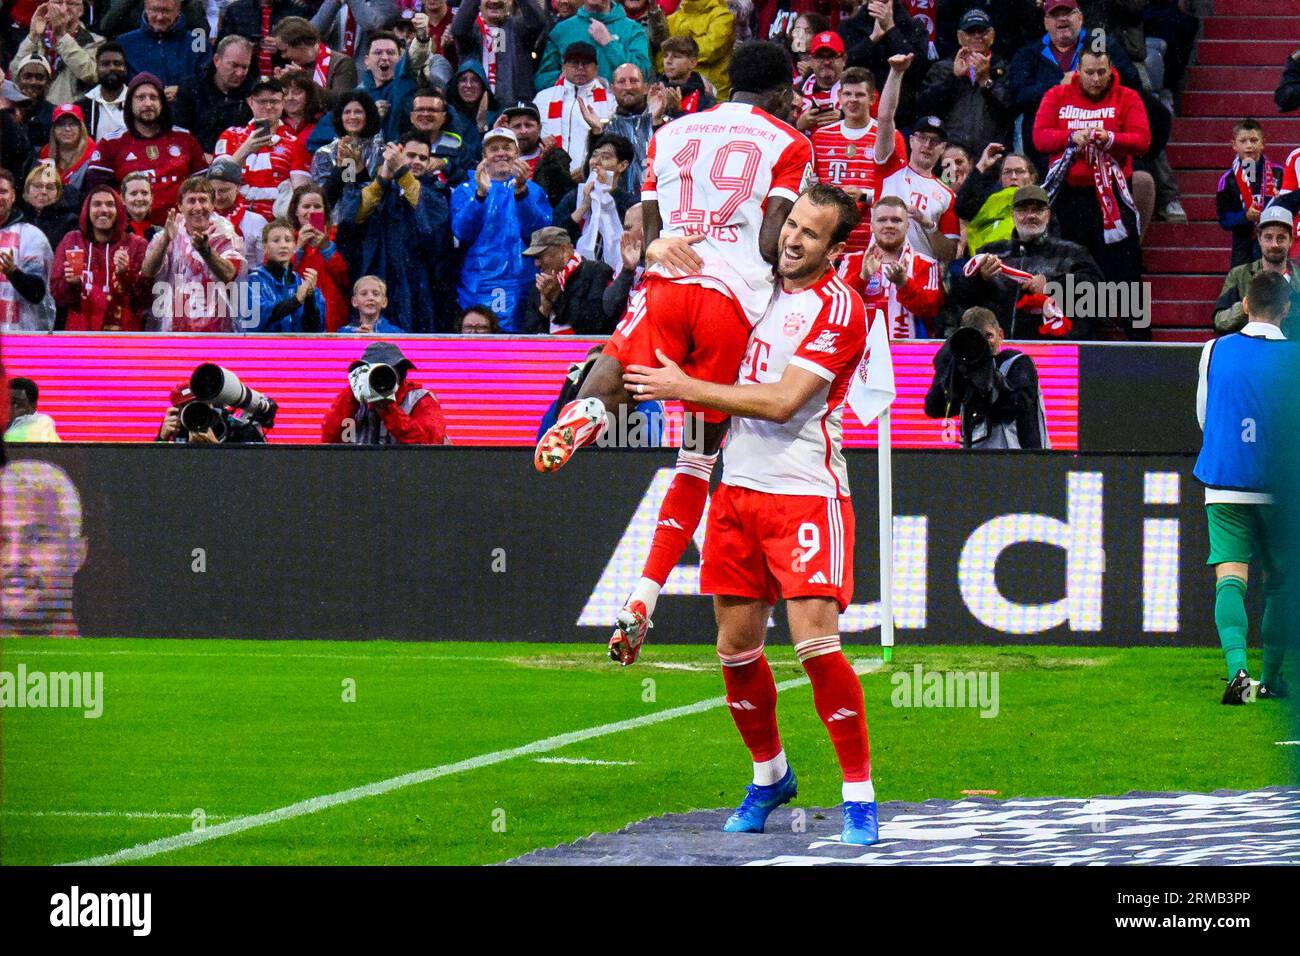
[[149, 144], [844, 151], [718, 186], [935, 229], [781, 524], [1239, 402]]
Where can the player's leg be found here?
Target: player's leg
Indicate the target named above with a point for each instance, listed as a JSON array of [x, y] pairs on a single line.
[[751, 700], [1276, 629], [808, 544], [1231, 534], [585, 419], [711, 337]]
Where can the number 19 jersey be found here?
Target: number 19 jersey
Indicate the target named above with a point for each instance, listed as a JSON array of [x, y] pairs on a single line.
[[712, 173]]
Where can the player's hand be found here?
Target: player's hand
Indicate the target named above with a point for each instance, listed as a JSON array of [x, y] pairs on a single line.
[[675, 254], [992, 153], [990, 267], [657, 384], [900, 62]]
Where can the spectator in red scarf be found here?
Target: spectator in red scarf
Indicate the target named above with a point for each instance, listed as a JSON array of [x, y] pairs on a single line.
[[309, 211], [97, 274], [70, 147], [1245, 189], [1092, 127]]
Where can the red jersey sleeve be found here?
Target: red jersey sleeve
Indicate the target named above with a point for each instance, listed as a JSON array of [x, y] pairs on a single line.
[[300, 161], [923, 294], [949, 224], [793, 170], [649, 184], [835, 343], [1291, 172], [228, 142]]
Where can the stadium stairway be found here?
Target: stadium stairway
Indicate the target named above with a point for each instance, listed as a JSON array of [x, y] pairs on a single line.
[[1237, 64]]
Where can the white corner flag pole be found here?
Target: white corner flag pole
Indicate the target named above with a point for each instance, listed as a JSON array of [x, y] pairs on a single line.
[[886, 494]]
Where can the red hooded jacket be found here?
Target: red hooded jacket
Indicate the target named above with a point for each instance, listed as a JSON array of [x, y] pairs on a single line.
[[91, 304], [1119, 111], [423, 426]]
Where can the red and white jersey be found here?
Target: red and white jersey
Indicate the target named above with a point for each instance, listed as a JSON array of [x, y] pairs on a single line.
[[924, 292], [927, 194], [1291, 172], [815, 98], [167, 159], [846, 157], [267, 169], [822, 329], [712, 173], [562, 118]]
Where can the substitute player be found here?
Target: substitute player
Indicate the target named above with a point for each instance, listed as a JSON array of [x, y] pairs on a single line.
[[1239, 403], [781, 525], [718, 186]]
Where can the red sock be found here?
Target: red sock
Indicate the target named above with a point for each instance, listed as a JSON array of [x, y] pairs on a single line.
[[837, 695], [751, 697], [679, 515]]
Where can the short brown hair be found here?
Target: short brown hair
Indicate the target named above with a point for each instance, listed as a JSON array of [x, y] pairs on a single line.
[[856, 76], [198, 183], [824, 194], [295, 31], [682, 45], [980, 318], [277, 223], [1268, 298]]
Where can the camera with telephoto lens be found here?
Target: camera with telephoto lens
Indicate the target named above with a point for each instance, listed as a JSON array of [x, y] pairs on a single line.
[[382, 380], [216, 399], [974, 374]]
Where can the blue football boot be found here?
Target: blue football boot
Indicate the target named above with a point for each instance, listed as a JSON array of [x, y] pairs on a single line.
[[860, 826], [760, 801]]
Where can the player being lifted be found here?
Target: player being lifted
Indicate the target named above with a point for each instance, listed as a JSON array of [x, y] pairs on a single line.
[[781, 524], [718, 186]]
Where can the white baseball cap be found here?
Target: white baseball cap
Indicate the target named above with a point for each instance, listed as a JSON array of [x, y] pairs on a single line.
[[501, 132]]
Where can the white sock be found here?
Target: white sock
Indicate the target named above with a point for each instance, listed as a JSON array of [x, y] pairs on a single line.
[[647, 590], [861, 792], [770, 771]]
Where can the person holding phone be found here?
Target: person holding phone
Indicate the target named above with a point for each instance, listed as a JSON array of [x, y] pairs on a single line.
[[309, 211], [821, 88], [282, 162]]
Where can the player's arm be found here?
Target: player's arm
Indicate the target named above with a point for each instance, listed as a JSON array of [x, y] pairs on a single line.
[[768, 401], [769, 235]]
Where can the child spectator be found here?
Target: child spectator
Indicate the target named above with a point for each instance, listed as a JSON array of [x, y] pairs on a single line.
[[370, 298], [681, 57], [1245, 189], [283, 301]]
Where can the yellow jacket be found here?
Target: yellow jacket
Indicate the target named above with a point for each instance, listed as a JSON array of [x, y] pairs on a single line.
[[714, 29]]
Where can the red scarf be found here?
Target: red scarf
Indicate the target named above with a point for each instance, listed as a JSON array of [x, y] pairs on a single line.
[[1267, 190], [570, 267], [491, 42], [1055, 323], [321, 73], [264, 65], [349, 32], [1107, 180], [52, 50]]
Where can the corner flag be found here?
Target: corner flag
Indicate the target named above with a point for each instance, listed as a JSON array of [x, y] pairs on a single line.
[[870, 396]]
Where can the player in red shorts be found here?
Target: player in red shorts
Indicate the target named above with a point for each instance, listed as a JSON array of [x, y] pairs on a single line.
[[717, 188], [781, 524]]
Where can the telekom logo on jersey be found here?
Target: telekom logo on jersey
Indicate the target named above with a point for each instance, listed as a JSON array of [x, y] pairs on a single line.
[[1079, 536]]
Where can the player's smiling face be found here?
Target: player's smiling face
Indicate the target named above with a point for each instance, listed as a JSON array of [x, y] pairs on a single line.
[[806, 243]]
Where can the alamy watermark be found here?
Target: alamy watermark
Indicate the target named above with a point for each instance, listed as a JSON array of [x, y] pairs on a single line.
[[1118, 302], [77, 690], [919, 688]]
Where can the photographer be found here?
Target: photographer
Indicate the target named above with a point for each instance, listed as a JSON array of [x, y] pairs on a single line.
[[995, 390], [213, 408], [381, 407]]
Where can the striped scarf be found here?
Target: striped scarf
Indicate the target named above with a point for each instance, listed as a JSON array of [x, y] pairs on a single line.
[[1107, 180]]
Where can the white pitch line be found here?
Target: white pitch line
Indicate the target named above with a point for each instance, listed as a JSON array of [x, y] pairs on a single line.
[[258, 655], [1287, 743], [143, 851], [586, 761], [122, 814]]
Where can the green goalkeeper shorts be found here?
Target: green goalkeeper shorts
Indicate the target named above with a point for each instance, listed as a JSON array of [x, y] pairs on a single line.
[[1241, 532]]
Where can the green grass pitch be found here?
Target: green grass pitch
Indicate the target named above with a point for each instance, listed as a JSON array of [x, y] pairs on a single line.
[[234, 728]]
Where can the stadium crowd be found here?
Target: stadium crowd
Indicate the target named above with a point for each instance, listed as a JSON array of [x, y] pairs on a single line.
[[171, 165]]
